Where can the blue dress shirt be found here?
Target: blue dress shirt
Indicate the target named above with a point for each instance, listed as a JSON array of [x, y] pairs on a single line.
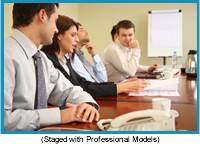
[[98, 70]]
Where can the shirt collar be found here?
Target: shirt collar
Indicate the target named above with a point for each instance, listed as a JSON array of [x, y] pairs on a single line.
[[61, 60], [27, 45], [78, 52], [125, 49]]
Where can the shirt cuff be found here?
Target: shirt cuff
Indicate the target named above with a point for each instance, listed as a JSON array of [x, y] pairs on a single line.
[[49, 116], [136, 52], [143, 68], [96, 59]]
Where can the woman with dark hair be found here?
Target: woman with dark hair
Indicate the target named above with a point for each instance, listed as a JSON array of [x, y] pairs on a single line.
[[64, 42]]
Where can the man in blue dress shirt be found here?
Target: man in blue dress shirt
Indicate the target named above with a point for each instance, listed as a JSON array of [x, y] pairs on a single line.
[[81, 65]]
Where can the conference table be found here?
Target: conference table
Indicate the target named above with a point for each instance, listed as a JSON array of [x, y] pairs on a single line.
[[187, 89], [114, 106]]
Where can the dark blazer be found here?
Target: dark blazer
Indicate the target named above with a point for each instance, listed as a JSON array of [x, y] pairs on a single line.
[[94, 89]]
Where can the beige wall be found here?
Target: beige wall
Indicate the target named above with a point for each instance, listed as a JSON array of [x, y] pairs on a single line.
[[7, 19], [98, 20], [70, 10]]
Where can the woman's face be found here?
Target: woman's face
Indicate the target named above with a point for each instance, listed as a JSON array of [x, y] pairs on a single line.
[[68, 40]]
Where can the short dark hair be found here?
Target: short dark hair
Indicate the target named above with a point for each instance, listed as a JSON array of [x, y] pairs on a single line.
[[23, 13], [113, 32], [63, 24], [124, 24]]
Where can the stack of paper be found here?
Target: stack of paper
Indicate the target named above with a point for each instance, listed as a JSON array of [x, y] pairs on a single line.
[[168, 87], [167, 84], [156, 93]]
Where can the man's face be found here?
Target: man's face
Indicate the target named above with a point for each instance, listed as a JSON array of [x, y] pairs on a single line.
[[49, 28], [83, 35], [125, 36]]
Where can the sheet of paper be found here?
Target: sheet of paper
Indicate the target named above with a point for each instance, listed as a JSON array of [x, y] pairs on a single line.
[[156, 93], [161, 84]]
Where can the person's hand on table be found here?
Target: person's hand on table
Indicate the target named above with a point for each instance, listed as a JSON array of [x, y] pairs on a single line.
[[82, 113], [137, 85], [153, 67], [132, 85]]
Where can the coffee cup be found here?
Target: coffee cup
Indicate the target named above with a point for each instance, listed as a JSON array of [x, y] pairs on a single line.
[[167, 69], [168, 74], [163, 104]]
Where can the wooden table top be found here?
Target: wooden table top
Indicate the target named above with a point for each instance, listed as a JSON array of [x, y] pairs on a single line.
[[187, 89], [112, 107], [187, 119]]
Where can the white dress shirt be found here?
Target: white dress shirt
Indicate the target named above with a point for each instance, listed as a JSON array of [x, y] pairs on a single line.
[[20, 87], [121, 62], [99, 69]]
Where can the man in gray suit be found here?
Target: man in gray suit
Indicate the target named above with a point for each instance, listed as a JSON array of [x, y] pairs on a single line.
[[35, 25]]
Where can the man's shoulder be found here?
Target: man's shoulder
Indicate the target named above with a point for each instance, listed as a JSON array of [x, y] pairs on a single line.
[[9, 43], [11, 48], [76, 62], [113, 47]]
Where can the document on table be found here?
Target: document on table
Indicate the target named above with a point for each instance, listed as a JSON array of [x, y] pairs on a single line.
[[168, 84], [168, 87], [156, 93]]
